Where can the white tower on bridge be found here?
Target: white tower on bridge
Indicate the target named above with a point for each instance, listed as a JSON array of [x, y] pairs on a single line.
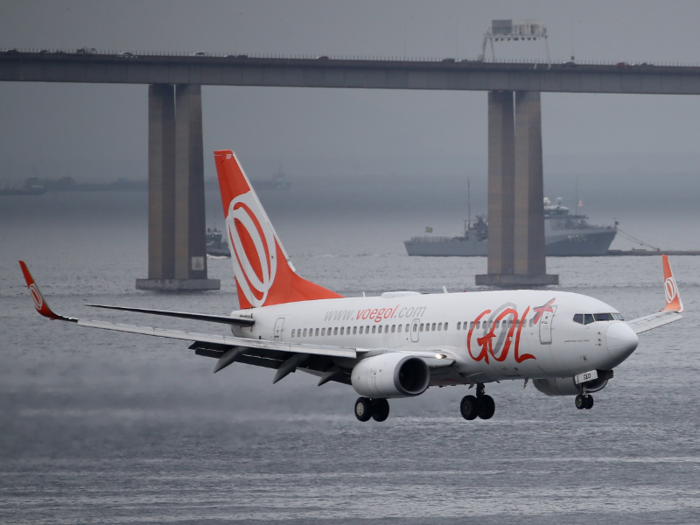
[[507, 31]]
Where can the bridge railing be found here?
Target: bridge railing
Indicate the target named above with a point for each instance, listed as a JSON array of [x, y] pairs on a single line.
[[278, 56]]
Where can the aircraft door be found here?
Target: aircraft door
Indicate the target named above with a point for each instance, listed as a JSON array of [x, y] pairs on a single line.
[[415, 334], [279, 328], [546, 328]]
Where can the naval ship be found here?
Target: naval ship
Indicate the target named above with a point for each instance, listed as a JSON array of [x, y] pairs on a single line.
[[565, 234]]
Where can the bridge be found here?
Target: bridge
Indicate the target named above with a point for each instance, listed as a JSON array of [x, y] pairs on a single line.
[[177, 252]]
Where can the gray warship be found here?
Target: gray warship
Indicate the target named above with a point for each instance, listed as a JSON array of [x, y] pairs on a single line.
[[565, 235]]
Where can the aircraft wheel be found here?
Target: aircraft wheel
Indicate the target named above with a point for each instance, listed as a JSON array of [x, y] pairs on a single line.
[[380, 410], [469, 407], [581, 402], [363, 409], [589, 402], [486, 407]]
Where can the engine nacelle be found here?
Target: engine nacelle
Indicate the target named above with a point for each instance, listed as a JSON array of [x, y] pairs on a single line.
[[391, 375], [566, 386]]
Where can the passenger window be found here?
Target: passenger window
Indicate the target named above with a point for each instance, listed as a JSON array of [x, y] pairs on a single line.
[[342, 330], [588, 319], [393, 328], [304, 332], [360, 330], [292, 332], [445, 327], [335, 331], [459, 324], [415, 327], [421, 327], [433, 328], [400, 328], [379, 329], [374, 329], [439, 327], [408, 329]]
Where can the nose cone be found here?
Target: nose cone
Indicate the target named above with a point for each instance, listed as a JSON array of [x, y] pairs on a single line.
[[622, 341]]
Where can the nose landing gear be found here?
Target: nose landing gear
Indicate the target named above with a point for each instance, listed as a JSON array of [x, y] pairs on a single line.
[[482, 406]]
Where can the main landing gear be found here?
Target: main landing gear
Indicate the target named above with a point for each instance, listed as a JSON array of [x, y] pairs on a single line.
[[481, 406], [584, 401], [366, 409]]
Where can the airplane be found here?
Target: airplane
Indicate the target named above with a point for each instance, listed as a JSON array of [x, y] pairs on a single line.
[[402, 342]]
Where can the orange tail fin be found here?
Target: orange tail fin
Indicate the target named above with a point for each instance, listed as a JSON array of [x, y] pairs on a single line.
[[673, 298], [264, 274]]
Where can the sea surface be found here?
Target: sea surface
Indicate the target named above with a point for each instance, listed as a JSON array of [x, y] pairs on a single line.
[[100, 427]]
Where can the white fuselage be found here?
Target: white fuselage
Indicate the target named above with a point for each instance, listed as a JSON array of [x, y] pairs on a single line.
[[490, 335]]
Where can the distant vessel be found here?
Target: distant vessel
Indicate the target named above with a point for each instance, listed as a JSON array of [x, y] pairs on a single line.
[[216, 244], [29, 188], [564, 235]]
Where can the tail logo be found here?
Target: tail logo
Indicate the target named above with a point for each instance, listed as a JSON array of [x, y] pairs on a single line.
[[254, 250], [671, 290], [36, 297]]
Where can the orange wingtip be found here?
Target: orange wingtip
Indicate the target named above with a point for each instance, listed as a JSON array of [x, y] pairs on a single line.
[[39, 302], [673, 298]]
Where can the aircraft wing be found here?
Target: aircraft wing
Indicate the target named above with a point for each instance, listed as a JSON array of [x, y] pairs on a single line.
[[283, 356], [218, 340], [649, 322], [225, 319], [671, 312]]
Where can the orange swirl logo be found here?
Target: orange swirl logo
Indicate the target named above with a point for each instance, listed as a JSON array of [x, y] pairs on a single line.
[[36, 297], [253, 248], [671, 290]]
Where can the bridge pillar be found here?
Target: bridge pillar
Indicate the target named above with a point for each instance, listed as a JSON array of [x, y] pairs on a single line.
[[177, 259], [515, 207]]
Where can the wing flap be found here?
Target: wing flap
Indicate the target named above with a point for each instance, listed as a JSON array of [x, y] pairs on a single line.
[[225, 319], [329, 351]]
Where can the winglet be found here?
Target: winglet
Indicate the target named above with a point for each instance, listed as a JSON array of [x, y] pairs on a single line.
[[39, 302], [673, 298]]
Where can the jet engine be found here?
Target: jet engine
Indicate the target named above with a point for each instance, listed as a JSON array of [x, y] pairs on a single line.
[[566, 386], [391, 375]]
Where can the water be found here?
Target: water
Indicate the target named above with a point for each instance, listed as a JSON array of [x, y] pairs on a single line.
[[119, 428]]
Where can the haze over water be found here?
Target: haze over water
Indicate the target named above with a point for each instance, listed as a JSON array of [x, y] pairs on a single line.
[[118, 428]]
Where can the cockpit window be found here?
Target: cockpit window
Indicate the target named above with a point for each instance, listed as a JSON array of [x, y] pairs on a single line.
[[589, 318]]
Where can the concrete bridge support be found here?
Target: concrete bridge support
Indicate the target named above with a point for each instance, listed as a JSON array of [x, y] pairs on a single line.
[[515, 208], [177, 259]]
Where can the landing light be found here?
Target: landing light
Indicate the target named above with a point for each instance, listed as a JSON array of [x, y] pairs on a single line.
[[440, 356]]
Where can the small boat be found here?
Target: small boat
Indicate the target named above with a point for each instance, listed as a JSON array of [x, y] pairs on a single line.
[[216, 244]]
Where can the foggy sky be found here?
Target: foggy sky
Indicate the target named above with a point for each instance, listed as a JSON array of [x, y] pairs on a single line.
[[99, 132]]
